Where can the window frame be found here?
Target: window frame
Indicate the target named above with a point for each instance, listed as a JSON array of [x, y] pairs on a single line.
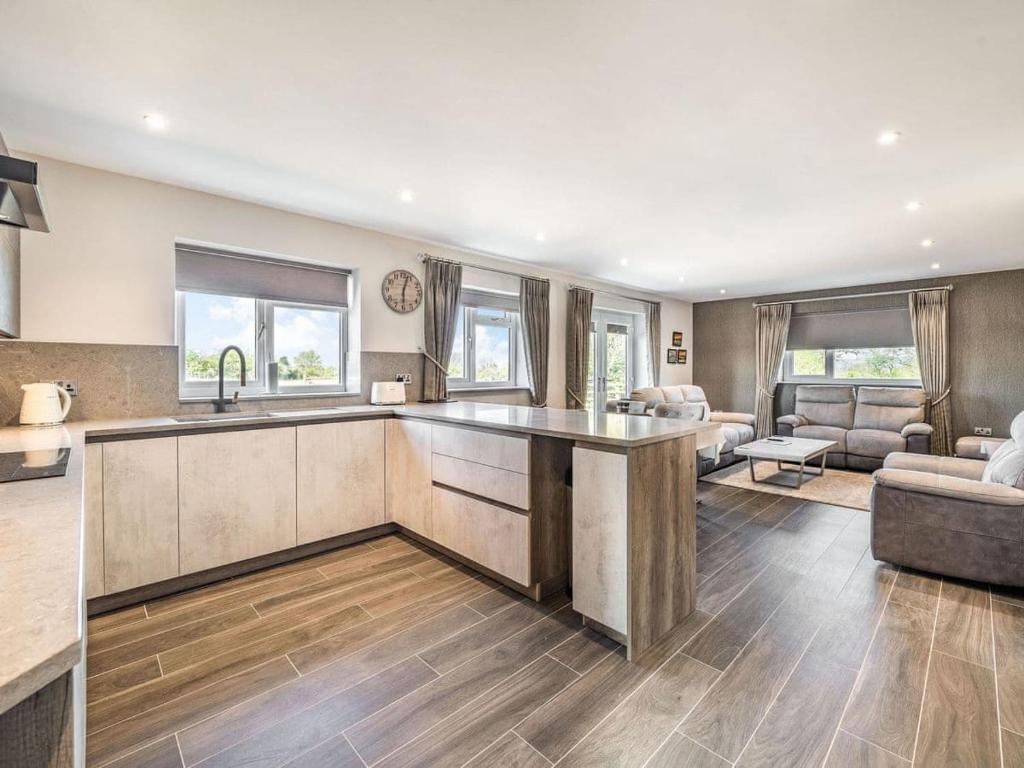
[[788, 377], [470, 320], [256, 386]]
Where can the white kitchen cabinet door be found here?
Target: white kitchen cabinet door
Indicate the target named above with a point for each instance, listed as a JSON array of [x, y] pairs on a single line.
[[237, 495], [340, 469], [408, 475], [140, 512], [93, 520]]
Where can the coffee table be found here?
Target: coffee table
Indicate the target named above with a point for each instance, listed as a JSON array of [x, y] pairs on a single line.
[[795, 450]]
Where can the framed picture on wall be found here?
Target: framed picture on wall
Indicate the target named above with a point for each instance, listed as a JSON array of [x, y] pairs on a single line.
[[677, 338], [673, 358], [681, 356]]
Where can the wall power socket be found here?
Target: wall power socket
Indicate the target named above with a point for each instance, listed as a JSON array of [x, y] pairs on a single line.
[[68, 385], [983, 431], [405, 378]]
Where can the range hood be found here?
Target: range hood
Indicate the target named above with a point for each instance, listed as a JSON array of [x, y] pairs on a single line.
[[21, 203]]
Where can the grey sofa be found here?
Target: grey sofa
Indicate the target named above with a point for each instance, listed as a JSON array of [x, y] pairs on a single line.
[[954, 516], [867, 423], [737, 428]]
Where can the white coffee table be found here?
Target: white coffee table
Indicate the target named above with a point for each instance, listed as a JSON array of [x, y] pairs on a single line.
[[796, 450]]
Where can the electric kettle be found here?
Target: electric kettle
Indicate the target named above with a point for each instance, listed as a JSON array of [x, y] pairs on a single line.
[[44, 403]]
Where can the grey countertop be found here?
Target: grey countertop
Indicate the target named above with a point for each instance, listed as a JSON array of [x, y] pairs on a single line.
[[41, 521]]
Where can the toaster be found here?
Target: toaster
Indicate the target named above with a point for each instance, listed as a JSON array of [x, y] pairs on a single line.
[[387, 393]]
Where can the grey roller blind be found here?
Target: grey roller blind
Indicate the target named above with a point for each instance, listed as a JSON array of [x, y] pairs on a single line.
[[473, 298], [851, 330], [233, 274]]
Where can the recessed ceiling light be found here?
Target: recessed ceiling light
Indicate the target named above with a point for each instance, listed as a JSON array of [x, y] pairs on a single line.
[[539, 237], [721, 290], [913, 205], [406, 196], [624, 262], [682, 278], [888, 138], [936, 265], [927, 243], [154, 121]]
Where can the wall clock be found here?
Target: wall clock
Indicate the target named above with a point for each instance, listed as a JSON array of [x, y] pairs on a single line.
[[401, 290]]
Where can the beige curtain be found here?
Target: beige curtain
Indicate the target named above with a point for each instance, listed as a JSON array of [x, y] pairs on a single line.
[[653, 344], [577, 346], [771, 329], [535, 319], [442, 292], [929, 317]]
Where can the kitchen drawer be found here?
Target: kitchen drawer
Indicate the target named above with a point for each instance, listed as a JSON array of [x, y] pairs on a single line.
[[501, 485], [496, 538], [495, 450]]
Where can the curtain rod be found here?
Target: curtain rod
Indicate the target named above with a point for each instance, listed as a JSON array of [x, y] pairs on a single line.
[[853, 296], [612, 293], [424, 256]]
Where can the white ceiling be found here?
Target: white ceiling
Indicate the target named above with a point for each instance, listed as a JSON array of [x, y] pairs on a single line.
[[729, 142]]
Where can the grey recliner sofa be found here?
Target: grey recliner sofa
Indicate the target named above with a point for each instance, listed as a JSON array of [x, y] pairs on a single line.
[[954, 516], [737, 428], [867, 423]]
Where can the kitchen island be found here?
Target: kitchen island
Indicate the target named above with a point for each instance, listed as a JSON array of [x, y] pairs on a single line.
[[487, 484]]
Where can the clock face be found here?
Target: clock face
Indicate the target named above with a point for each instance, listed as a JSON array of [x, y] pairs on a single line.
[[402, 290]]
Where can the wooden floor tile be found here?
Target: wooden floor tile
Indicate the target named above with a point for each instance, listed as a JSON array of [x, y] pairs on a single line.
[[1013, 749], [462, 736], [107, 621], [1008, 624], [959, 722], [964, 625], [161, 754], [123, 678], [850, 752], [510, 751], [582, 652], [798, 729], [682, 752], [886, 703], [916, 590], [636, 728], [333, 753]]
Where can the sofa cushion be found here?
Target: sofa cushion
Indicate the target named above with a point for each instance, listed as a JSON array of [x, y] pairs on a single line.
[[951, 487], [650, 396], [876, 443], [736, 434], [673, 394], [888, 408], [684, 411], [693, 393], [939, 465], [826, 405], [822, 432], [1006, 466]]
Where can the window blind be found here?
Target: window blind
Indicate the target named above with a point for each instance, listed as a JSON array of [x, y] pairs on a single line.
[[888, 327], [475, 298], [233, 274]]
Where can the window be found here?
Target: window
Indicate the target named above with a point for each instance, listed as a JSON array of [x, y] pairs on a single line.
[[291, 314], [868, 365], [486, 349]]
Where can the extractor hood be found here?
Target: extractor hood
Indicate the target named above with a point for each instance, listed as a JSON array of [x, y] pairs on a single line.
[[21, 204]]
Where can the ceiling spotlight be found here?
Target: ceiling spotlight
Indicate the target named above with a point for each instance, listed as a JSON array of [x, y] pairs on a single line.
[[913, 206], [888, 138], [936, 265], [927, 243], [406, 196], [682, 279], [154, 121], [624, 262], [721, 290], [539, 237]]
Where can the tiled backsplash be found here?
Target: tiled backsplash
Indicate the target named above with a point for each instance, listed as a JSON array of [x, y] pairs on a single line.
[[124, 381]]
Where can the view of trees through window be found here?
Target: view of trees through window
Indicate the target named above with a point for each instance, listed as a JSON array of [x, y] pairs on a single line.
[[896, 363]]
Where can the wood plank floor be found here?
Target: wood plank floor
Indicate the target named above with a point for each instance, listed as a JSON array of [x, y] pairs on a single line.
[[804, 651]]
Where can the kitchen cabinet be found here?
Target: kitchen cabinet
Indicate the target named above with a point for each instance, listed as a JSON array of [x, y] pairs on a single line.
[[140, 512], [340, 470], [237, 495], [93, 508], [408, 475]]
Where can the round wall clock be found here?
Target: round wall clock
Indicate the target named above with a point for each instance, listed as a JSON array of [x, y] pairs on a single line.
[[401, 290]]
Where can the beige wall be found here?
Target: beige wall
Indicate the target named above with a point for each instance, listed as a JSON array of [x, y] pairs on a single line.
[[105, 274], [986, 331]]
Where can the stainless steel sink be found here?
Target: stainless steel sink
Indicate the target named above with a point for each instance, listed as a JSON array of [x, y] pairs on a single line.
[[200, 417]]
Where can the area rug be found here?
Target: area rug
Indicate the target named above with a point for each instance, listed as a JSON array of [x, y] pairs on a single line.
[[842, 487]]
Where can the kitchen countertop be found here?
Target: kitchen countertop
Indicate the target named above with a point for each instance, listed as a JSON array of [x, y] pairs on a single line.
[[41, 521]]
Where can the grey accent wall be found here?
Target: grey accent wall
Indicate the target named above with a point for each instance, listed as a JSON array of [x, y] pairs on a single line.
[[986, 339], [10, 281], [124, 381]]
